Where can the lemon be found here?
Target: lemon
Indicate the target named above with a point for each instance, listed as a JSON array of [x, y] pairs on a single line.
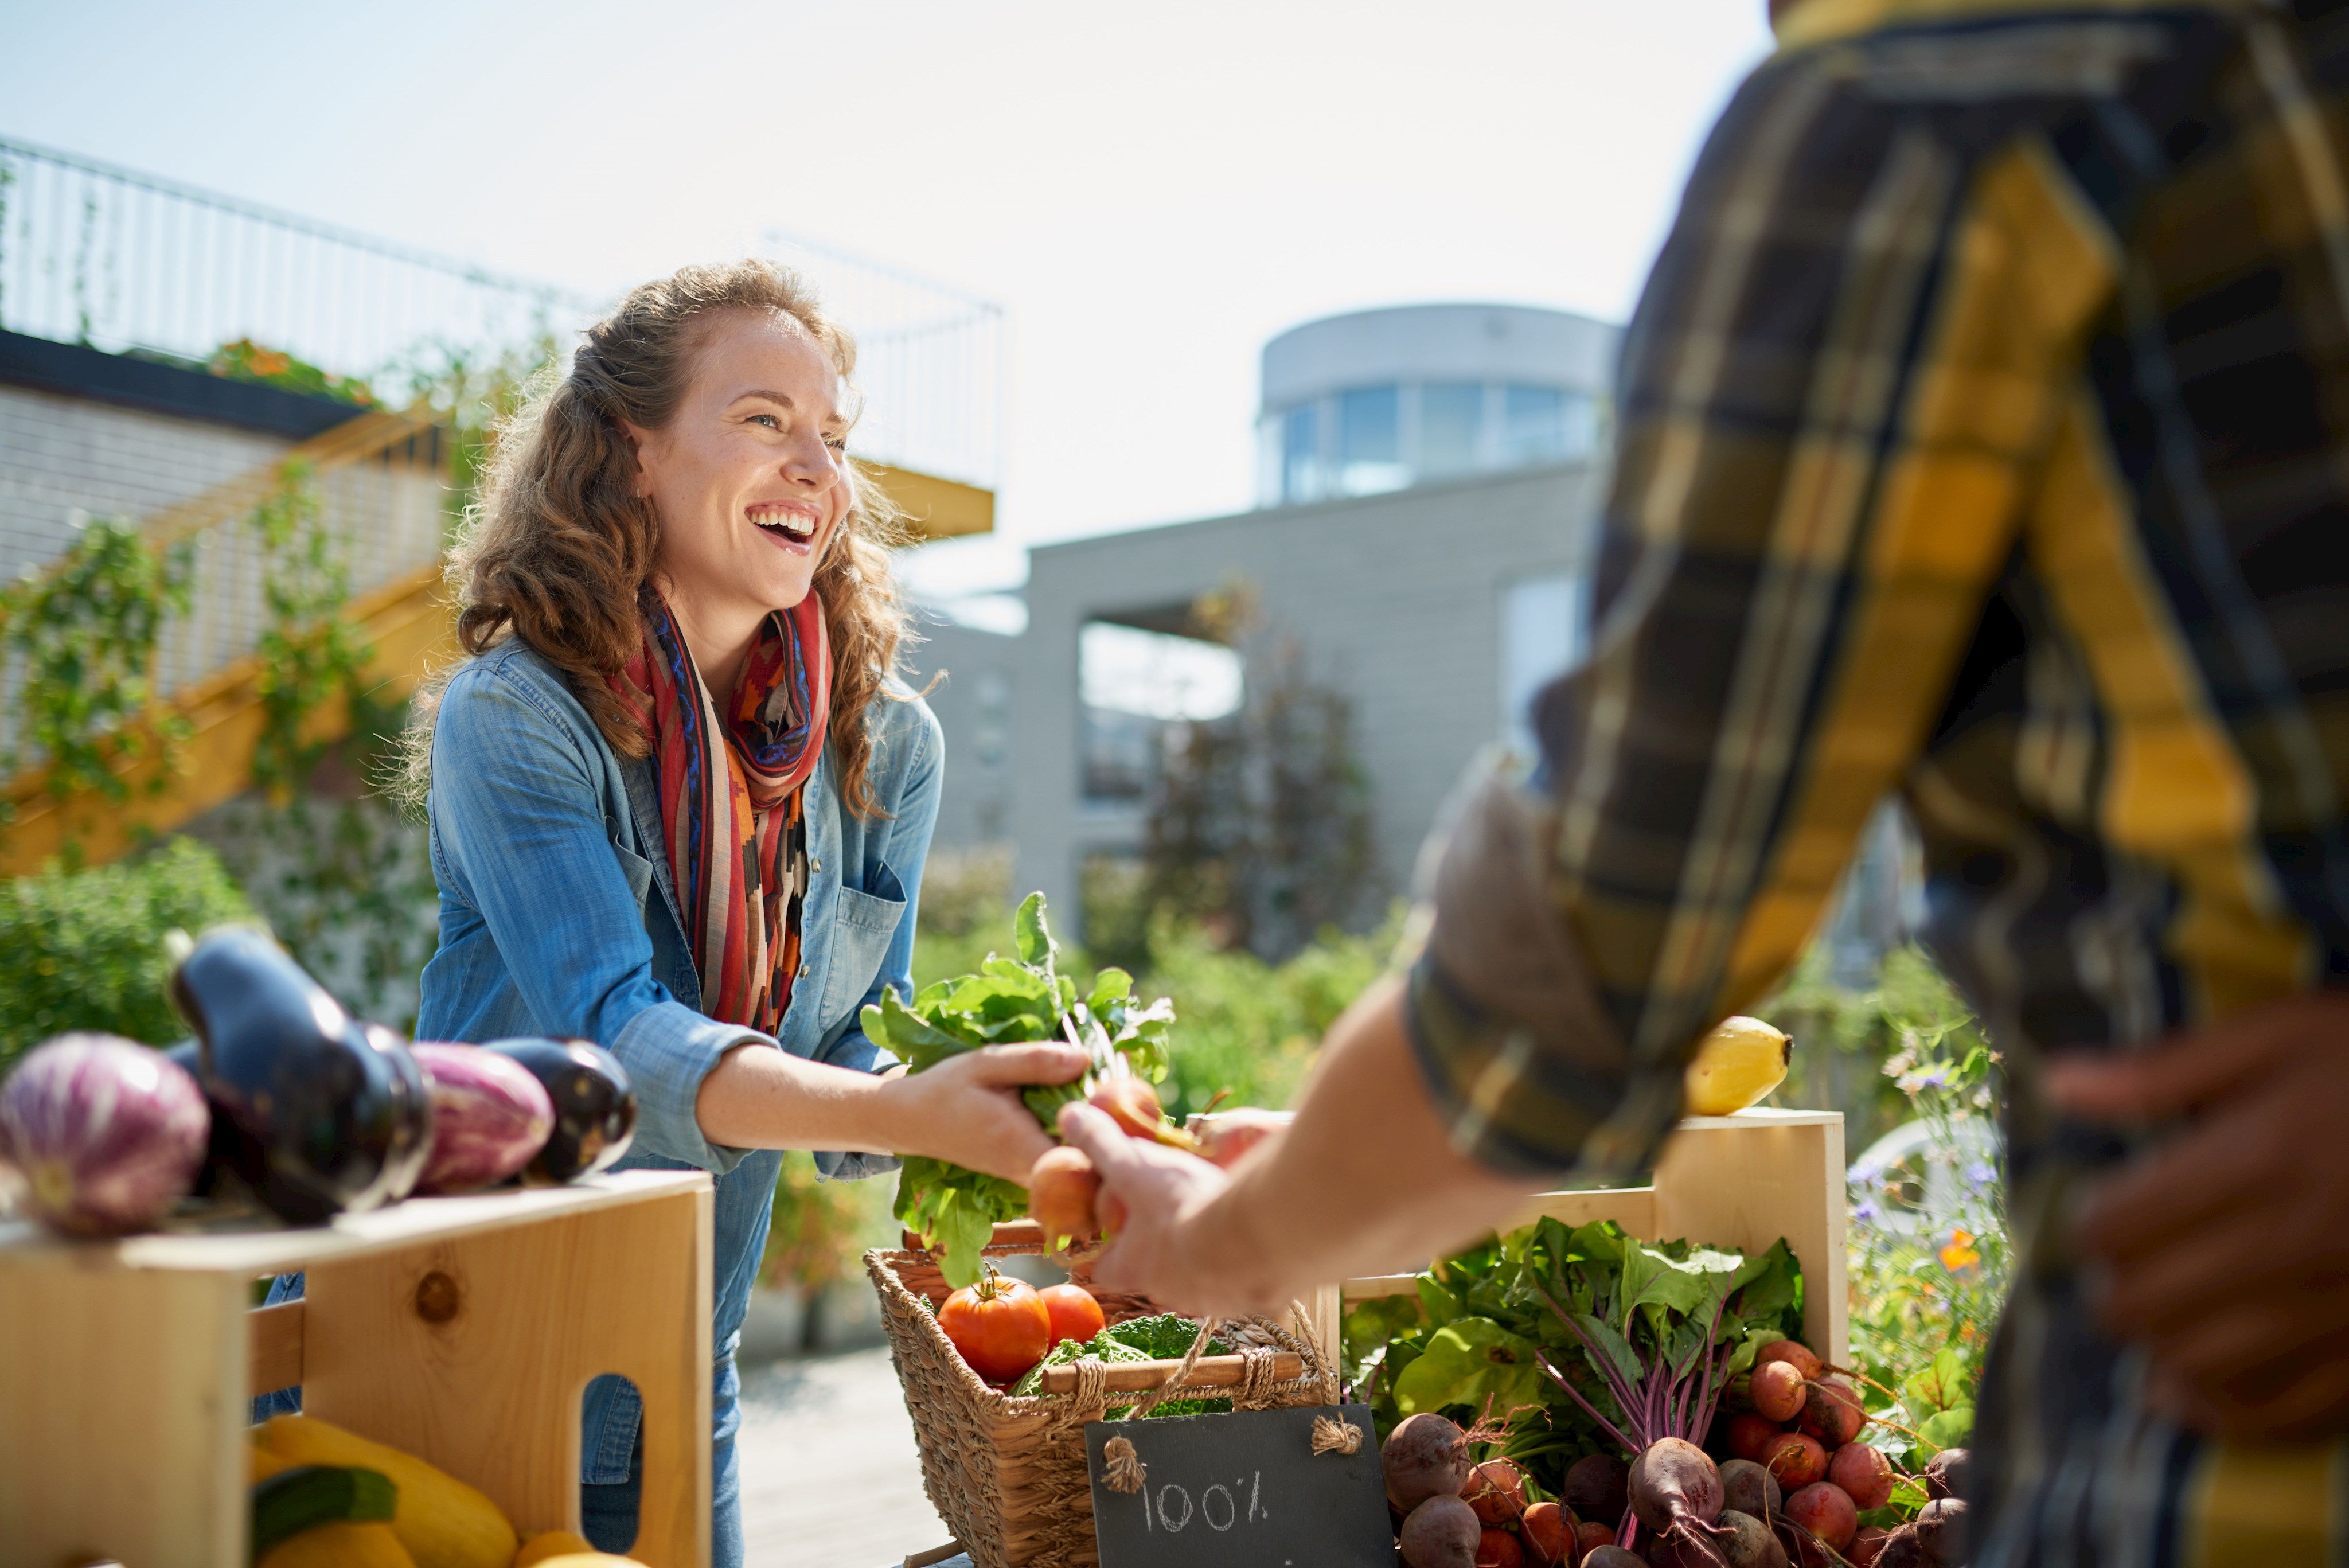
[[1735, 1065]]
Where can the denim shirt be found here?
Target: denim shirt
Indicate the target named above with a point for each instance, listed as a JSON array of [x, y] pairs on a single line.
[[559, 916]]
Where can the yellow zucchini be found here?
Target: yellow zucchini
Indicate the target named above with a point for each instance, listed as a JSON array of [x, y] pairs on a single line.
[[340, 1546], [442, 1521], [553, 1544]]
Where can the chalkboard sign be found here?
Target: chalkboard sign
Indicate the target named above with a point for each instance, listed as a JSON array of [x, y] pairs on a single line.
[[1242, 1491]]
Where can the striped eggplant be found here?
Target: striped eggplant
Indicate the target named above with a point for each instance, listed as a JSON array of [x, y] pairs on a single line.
[[326, 1115], [491, 1116], [594, 1105], [106, 1133]]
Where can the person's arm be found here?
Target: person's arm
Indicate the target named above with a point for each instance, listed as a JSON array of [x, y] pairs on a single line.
[[1828, 423], [521, 834]]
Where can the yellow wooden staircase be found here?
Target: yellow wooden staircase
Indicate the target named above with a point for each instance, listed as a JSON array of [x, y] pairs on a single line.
[[383, 482]]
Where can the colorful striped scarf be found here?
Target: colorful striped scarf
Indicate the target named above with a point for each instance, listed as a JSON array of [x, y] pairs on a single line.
[[731, 808]]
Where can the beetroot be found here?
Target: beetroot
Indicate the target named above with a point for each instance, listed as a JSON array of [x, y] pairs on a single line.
[[1612, 1556], [1796, 1460], [1793, 1351], [1826, 1510], [1940, 1527], [1599, 1487], [1749, 1488], [1676, 1493], [1750, 1436], [1425, 1456], [1831, 1413], [1749, 1544], [1777, 1391], [1946, 1472], [489, 1116], [106, 1132], [1864, 1473], [1499, 1549], [1867, 1545], [1591, 1535], [1441, 1533], [1548, 1532], [1901, 1549], [1496, 1491]]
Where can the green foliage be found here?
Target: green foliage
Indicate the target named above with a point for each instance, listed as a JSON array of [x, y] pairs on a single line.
[[245, 360], [85, 949], [310, 652], [1008, 1001], [85, 633], [822, 1228], [1164, 1337]]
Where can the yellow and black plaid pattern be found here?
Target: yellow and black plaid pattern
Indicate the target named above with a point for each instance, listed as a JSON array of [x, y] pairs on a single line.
[[1984, 436]]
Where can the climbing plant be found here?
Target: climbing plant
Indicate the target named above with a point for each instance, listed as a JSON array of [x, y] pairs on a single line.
[[82, 639], [310, 653]]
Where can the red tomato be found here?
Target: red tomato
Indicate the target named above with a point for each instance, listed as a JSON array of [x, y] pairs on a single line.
[[1001, 1326], [1073, 1311]]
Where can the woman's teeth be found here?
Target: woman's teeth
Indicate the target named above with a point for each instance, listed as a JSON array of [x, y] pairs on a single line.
[[795, 524]]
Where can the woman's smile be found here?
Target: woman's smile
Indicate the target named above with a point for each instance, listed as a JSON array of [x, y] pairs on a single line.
[[791, 526]]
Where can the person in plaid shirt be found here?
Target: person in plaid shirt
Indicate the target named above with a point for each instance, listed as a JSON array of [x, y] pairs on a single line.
[[1983, 437]]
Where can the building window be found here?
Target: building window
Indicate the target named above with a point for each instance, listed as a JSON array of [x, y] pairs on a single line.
[[1369, 441], [993, 733], [1451, 427], [1533, 424], [1545, 632], [1134, 685], [1300, 454]]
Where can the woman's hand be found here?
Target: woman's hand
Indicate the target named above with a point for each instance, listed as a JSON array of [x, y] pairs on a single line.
[[967, 1108]]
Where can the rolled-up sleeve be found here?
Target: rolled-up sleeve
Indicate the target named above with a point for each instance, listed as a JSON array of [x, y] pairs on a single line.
[[520, 835]]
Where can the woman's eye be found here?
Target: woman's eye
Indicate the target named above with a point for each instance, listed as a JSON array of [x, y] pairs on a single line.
[[837, 443], [769, 421]]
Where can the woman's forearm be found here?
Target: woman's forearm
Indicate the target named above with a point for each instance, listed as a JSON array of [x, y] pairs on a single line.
[[759, 1097]]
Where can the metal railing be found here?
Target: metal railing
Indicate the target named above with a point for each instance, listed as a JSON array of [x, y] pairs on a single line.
[[125, 261]]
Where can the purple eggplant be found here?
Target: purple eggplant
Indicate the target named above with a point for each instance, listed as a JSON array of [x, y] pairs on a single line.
[[106, 1133], [491, 1117], [326, 1115], [594, 1105]]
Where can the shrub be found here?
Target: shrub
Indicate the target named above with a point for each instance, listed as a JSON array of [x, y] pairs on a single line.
[[85, 949]]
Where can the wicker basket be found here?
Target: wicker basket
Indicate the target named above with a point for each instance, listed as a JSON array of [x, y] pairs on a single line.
[[1008, 1475]]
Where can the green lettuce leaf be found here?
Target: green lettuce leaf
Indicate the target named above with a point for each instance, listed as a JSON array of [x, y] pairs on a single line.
[[1470, 1362]]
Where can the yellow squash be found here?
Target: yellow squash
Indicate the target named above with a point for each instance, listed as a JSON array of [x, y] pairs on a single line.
[[538, 1549], [442, 1521], [588, 1560], [340, 1546], [1735, 1067]]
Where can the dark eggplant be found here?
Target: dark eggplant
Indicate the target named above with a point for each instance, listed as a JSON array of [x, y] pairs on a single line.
[[594, 1105], [328, 1115]]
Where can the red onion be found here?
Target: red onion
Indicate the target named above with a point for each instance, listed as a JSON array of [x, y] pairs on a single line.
[[106, 1132], [489, 1116]]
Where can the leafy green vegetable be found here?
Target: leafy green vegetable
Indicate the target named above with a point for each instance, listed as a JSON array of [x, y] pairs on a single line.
[[1136, 1339], [1010, 1001], [1473, 1361], [1164, 1337]]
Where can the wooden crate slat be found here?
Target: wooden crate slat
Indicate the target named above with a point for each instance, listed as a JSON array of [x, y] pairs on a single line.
[[274, 1338]]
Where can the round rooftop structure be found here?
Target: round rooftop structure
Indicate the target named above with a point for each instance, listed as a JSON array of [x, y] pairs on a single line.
[[1382, 400]]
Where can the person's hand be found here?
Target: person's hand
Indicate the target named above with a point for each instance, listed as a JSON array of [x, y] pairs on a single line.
[[967, 1109], [1160, 1250], [2222, 1246]]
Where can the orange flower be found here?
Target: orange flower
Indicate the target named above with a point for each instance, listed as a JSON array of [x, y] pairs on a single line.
[[1960, 1254]]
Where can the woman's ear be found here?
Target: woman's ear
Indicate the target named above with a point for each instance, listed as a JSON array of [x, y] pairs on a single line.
[[638, 438]]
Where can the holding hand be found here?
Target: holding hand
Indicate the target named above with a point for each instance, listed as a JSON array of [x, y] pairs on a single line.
[[1160, 1191], [2222, 1242], [966, 1109]]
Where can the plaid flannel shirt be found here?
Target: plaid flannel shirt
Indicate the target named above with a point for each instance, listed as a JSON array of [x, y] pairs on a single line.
[[1984, 435]]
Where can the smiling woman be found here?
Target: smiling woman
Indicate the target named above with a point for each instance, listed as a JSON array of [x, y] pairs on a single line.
[[679, 802]]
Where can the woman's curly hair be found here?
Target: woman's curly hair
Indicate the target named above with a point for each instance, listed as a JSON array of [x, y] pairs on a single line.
[[558, 549]]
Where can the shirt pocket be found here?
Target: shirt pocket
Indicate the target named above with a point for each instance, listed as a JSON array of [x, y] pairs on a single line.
[[863, 926], [639, 873]]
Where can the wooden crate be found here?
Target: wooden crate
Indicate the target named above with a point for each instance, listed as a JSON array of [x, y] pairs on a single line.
[[1739, 1181], [462, 1330]]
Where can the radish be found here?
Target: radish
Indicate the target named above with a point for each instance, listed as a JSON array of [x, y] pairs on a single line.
[[1441, 1532], [1864, 1473], [1061, 1190], [1831, 1412], [1826, 1510], [1751, 1545], [1425, 1456], [1940, 1527], [1945, 1473], [1499, 1549], [1597, 1487], [106, 1132], [1749, 1488], [1549, 1532], [1496, 1491], [1793, 1351], [1750, 1436], [1676, 1493], [1777, 1391], [1796, 1460]]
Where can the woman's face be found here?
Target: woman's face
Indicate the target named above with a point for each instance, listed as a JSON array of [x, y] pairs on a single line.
[[750, 479]]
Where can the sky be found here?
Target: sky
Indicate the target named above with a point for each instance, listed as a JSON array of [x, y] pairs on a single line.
[[1150, 192]]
